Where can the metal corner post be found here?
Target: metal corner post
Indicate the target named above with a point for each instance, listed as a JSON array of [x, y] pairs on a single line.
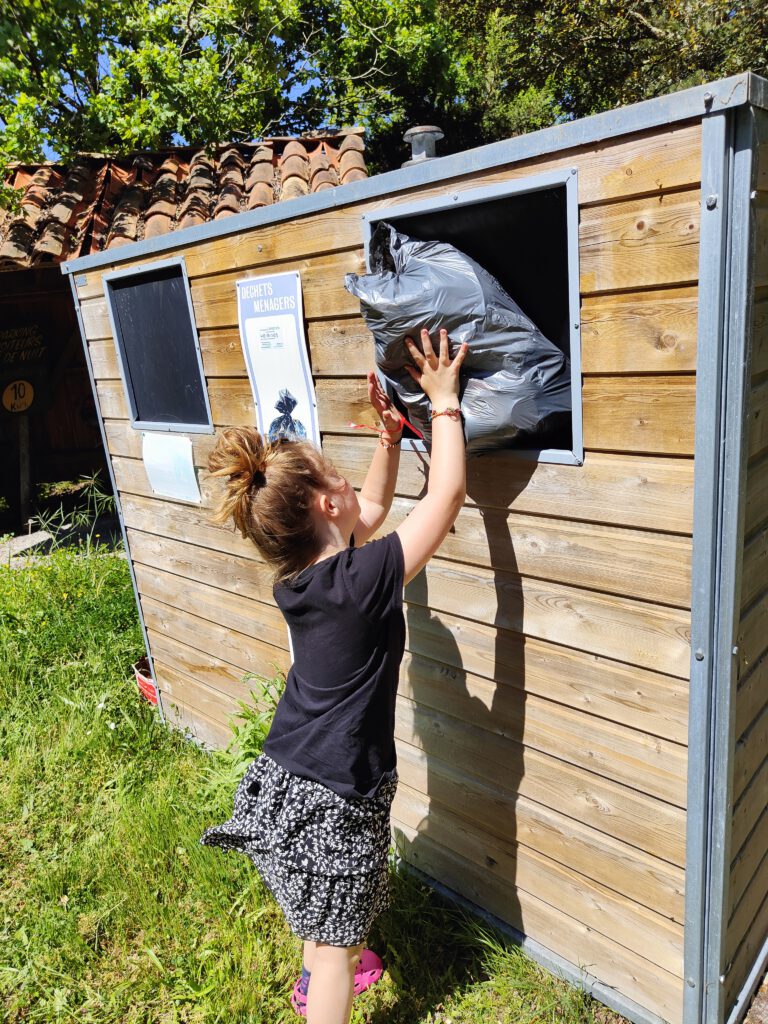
[[116, 494], [724, 285]]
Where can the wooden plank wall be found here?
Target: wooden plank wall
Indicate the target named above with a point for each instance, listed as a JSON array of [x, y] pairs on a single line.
[[542, 715], [748, 893]]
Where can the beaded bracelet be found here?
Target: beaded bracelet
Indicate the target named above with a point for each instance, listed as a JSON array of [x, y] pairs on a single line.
[[394, 444], [455, 414]]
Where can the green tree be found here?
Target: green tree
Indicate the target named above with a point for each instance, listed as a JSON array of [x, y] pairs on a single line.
[[118, 75]]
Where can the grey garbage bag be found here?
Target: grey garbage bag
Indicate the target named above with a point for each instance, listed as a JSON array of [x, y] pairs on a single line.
[[513, 381]]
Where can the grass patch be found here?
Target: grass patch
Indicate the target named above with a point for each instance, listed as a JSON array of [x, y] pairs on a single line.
[[111, 911]]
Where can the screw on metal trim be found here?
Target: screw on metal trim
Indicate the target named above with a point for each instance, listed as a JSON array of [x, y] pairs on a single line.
[[690, 982], [699, 655], [709, 98], [711, 202], [753, 195], [735, 650]]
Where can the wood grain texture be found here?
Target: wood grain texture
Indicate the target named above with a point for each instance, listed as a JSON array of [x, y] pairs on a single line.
[[654, 415], [757, 443], [746, 909], [632, 491], [750, 806], [184, 718], [638, 979], [754, 571], [206, 606], [517, 820], [643, 243], [640, 332], [189, 523], [632, 563], [219, 677], [752, 636], [213, 704], [650, 825], [592, 903], [222, 570], [643, 700], [498, 714], [751, 697], [748, 867], [751, 750], [759, 363], [322, 277], [745, 956], [341, 348], [653, 161], [756, 500], [633, 632]]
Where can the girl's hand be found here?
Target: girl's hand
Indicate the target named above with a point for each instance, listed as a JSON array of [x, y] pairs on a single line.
[[390, 417], [436, 374]]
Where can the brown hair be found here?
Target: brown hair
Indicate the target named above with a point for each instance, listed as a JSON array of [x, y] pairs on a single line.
[[269, 494]]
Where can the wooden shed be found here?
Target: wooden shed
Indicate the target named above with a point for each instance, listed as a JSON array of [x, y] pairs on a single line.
[[583, 710]]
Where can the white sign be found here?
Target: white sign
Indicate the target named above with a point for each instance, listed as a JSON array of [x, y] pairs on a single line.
[[169, 466], [271, 321]]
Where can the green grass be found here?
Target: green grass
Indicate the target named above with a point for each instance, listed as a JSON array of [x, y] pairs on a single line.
[[111, 911]]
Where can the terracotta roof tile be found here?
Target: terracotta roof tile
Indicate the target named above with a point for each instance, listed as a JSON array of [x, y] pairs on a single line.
[[100, 202]]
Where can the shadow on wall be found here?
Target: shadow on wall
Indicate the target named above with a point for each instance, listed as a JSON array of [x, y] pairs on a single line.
[[463, 715]]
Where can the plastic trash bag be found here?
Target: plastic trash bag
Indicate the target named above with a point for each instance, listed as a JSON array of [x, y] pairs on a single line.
[[513, 381], [285, 425]]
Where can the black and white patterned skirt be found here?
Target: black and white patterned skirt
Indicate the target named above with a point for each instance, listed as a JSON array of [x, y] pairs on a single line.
[[323, 856]]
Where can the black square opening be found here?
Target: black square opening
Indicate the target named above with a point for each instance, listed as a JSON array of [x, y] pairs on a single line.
[[157, 341], [522, 239]]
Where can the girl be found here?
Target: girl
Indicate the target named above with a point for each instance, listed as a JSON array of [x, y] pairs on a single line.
[[312, 811]]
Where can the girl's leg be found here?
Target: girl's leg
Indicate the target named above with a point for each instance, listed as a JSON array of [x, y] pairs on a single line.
[[333, 979], [309, 953]]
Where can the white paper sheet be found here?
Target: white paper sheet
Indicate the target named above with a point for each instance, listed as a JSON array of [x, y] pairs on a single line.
[[169, 466]]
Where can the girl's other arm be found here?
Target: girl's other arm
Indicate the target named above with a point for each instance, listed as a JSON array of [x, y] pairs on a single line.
[[422, 533], [379, 487]]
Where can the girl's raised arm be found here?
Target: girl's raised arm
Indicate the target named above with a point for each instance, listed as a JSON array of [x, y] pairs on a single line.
[[426, 527]]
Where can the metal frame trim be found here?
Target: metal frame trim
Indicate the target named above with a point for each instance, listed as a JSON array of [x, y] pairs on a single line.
[[116, 492], [568, 177], [712, 256], [738, 325], [697, 102], [754, 978], [137, 424], [544, 956]]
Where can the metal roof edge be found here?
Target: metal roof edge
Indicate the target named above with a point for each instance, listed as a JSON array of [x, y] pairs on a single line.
[[679, 106], [758, 90]]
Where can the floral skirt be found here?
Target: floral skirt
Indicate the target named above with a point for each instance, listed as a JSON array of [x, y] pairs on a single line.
[[322, 856]]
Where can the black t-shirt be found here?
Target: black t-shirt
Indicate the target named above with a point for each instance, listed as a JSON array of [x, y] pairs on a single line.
[[335, 722]]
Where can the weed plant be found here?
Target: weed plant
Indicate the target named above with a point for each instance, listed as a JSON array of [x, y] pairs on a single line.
[[111, 910]]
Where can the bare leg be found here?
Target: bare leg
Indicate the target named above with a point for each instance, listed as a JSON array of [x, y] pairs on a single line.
[[309, 953], [333, 979]]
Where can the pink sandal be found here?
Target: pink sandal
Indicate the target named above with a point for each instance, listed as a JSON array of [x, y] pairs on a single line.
[[368, 971]]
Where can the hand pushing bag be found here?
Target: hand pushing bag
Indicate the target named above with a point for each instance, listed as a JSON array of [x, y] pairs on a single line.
[[513, 381]]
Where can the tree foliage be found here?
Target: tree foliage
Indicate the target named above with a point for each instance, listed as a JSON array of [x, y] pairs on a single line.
[[120, 75]]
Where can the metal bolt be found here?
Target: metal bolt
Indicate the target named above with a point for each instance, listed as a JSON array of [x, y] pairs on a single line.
[[699, 655], [711, 202], [735, 650], [690, 982], [753, 195]]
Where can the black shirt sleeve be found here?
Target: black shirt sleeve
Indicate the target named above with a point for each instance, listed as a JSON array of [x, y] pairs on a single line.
[[373, 575]]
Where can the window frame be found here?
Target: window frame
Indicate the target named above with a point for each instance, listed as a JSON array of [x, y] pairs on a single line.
[[461, 196], [145, 269]]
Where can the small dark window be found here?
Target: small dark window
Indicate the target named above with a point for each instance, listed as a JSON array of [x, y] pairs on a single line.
[[157, 343], [524, 232]]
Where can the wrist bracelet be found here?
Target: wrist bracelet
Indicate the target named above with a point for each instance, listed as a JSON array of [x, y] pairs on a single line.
[[394, 444], [455, 414]]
